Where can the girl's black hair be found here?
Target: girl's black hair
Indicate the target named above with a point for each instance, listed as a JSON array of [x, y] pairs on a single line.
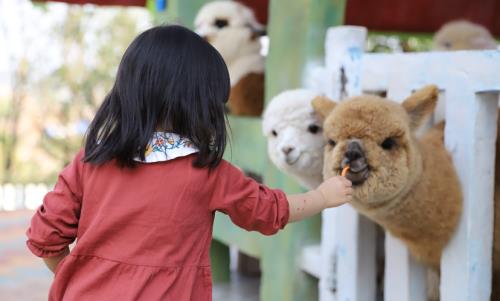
[[168, 79]]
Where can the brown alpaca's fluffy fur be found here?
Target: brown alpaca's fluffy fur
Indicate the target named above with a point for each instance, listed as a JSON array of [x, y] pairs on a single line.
[[247, 95], [408, 185]]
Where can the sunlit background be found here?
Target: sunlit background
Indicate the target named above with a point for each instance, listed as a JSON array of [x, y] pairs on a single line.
[[57, 62]]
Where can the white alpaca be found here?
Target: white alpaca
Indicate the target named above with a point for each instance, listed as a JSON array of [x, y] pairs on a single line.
[[294, 136]]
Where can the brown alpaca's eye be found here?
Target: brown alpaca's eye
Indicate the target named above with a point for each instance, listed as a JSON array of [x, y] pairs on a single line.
[[388, 144], [220, 23], [313, 129], [332, 143], [274, 133]]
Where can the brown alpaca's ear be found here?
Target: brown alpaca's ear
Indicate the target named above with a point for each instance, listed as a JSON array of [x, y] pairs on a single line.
[[323, 106], [420, 105]]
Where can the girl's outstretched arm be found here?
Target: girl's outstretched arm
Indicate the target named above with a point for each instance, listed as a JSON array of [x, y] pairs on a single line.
[[331, 193], [53, 262], [256, 207]]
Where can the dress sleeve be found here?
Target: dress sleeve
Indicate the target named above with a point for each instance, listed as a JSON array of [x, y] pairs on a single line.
[[54, 225], [250, 205]]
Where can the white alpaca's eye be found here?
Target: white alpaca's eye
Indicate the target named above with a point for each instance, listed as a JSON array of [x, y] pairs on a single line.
[[313, 129], [274, 133], [220, 23]]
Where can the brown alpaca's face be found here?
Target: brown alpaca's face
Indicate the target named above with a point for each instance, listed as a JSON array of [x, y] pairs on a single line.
[[372, 136]]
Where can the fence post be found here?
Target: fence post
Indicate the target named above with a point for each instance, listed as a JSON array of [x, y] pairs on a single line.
[[470, 137], [348, 239], [405, 279]]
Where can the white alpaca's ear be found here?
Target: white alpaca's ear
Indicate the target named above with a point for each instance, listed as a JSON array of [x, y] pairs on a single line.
[[420, 105], [255, 27], [323, 105]]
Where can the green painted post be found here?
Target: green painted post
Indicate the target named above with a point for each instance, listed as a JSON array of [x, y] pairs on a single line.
[[296, 31], [219, 255], [184, 11]]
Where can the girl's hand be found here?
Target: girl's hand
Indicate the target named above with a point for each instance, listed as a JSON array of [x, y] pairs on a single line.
[[331, 193], [336, 191]]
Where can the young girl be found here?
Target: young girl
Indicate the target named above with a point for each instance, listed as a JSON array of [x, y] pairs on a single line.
[[140, 199]]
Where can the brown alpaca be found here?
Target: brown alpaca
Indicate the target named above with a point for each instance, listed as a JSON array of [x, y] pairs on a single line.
[[463, 35], [247, 95], [407, 185]]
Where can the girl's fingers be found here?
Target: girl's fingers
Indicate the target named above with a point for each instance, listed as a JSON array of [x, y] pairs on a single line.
[[349, 191]]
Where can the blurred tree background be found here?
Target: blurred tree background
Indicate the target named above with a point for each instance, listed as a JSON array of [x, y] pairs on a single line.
[[43, 118]]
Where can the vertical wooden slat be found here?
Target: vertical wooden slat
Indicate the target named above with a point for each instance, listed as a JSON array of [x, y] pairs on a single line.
[[9, 197], [355, 251], [328, 280], [181, 12], [404, 277], [2, 198], [470, 137], [348, 239]]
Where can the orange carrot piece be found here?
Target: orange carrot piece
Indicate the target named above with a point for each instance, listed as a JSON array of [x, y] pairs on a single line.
[[344, 171]]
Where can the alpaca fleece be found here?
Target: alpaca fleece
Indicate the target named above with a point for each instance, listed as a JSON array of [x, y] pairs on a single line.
[[411, 189], [294, 136]]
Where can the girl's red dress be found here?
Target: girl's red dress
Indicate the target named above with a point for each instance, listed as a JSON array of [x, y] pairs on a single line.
[[144, 233]]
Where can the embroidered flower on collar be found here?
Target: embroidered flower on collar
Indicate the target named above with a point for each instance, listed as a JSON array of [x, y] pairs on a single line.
[[167, 146]]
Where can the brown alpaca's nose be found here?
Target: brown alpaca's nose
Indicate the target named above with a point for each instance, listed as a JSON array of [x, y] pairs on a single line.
[[354, 152]]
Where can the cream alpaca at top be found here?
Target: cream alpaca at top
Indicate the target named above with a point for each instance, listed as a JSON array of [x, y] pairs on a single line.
[[294, 136], [235, 32]]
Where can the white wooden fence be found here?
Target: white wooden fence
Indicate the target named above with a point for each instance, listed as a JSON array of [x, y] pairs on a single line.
[[470, 82], [17, 196]]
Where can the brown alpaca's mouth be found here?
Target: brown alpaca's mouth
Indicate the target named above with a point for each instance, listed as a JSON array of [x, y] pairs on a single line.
[[357, 174], [355, 158]]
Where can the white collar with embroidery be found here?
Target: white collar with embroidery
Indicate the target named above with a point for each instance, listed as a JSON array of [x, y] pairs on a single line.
[[167, 146]]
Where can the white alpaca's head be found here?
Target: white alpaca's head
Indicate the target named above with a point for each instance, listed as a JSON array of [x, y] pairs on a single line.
[[294, 136], [231, 28]]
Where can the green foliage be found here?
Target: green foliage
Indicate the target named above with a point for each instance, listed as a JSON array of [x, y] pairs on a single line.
[[398, 42]]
